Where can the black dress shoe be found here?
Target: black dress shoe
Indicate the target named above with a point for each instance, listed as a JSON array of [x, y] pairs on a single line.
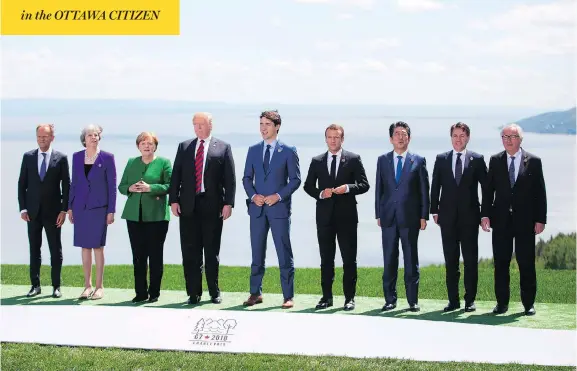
[[139, 298], [470, 307], [216, 300], [389, 306], [414, 307], [349, 304], [500, 309], [530, 312], [34, 291], [324, 303], [56, 293], [451, 307], [194, 299], [153, 299]]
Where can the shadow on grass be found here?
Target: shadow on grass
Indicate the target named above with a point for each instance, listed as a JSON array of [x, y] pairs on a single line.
[[487, 318]]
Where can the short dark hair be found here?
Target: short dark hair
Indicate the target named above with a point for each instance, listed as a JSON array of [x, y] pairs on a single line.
[[272, 115], [462, 126], [399, 124], [335, 127]]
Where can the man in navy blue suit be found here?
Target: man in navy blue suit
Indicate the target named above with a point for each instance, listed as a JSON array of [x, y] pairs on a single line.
[[402, 210], [455, 207], [271, 176]]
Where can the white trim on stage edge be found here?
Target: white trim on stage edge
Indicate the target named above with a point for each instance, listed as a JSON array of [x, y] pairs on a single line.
[[284, 333]]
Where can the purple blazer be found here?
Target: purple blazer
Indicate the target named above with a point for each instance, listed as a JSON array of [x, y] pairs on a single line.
[[98, 189]]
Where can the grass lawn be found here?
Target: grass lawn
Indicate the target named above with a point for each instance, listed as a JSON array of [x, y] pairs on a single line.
[[553, 287]]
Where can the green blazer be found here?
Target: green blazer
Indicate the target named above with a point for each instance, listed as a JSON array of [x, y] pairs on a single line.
[[154, 203]]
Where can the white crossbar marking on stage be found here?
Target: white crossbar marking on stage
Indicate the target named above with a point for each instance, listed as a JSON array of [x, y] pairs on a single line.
[[286, 333]]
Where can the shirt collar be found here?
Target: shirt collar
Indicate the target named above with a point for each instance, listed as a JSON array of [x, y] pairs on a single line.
[[395, 154], [207, 140], [272, 144], [339, 153], [517, 154], [463, 153], [48, 152]]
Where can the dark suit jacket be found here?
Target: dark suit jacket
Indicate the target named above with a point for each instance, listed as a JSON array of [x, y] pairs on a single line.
[[458, 203], [351, 172], [527, 200], [96, 190], [51, 193], [219, 176], [408, 202]]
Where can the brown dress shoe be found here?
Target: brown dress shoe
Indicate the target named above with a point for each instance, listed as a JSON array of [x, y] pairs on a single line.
[[288, 303], [252, 300]]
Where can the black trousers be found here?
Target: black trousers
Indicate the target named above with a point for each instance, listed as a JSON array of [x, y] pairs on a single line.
[[346, 234], [457, 238], [200, 233], [524, 237], [147, 243], [46, 221]]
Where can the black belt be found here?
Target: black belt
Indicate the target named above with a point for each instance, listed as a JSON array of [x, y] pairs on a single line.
[[201, 194]]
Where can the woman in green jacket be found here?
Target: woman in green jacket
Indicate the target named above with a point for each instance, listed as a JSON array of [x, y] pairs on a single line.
[[145, 182]]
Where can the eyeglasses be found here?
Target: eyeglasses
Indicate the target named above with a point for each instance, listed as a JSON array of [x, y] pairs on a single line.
[[510, 137]]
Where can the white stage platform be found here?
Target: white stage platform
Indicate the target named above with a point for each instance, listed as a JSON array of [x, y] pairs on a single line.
[[285, 333]]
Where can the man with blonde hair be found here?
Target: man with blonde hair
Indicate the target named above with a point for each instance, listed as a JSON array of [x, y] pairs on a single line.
[[43, 188], [202, 192]]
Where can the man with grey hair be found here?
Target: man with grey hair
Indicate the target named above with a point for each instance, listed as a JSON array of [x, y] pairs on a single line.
[[515, 206], [43, 188]]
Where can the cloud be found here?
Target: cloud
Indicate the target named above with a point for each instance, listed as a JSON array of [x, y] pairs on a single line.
[[528, 29], [381, 42], [327, 46], [343, 16], [362, 4], [419, 5]]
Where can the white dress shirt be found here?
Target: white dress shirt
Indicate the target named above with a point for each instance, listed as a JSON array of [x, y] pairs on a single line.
[[339, 155], [206, 144], [463, 156], [517, 162], [396, 160]]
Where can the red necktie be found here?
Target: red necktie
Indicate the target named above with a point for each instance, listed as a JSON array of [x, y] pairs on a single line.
[[198, 166]]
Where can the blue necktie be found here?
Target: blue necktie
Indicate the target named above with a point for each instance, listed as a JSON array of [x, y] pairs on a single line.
[[43, 167], [512, 171], [267, 158], [399, 169]]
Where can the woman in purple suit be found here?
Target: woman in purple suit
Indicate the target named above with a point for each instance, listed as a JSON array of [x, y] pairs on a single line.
[[92, 204]]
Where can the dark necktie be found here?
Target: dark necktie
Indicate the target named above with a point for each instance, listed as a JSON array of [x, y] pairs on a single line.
[[198, 166], [43, 167], [334, 168], [458, 169], [266, 161], [399, 169], [512, 171]]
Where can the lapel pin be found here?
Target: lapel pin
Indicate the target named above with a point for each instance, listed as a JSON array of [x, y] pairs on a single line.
[[99, 165], [342, 160], [471, 158], [280, 149]]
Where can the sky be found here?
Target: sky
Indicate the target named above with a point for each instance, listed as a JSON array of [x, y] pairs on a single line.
[[414, 52]]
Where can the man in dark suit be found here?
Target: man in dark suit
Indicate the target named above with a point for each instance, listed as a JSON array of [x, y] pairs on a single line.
[[402, 210], [515, 205], [43, 189], [202, 191], [457, 175], [271, 176], [341, 176]]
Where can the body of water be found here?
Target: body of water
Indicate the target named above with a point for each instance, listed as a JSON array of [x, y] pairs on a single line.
[[366, 133]]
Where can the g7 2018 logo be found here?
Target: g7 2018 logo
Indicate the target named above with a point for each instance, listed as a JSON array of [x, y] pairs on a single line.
[[211, 332]]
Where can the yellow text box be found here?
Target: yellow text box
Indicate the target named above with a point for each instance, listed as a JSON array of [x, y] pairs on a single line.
[[90, 17]]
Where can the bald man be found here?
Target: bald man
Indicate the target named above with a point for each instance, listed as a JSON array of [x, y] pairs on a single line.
[[202, 191]]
